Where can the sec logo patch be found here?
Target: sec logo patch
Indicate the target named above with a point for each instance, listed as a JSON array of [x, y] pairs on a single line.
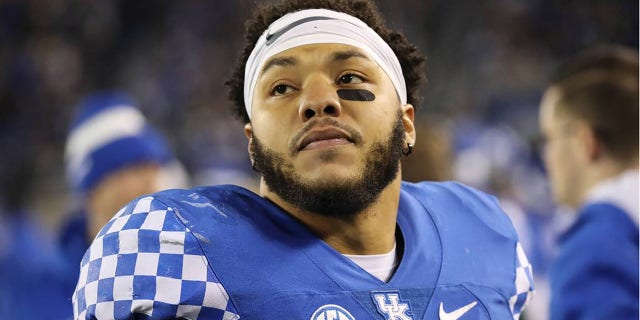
[[332, 312]]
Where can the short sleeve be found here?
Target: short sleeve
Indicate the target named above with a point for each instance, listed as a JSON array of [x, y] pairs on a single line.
[[146, 263], [523, 283]]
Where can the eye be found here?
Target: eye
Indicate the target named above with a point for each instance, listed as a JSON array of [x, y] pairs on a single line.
[[281, 89], [350, 78]]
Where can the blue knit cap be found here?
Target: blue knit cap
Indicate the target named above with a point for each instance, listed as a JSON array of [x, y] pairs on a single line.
[[108, 134]]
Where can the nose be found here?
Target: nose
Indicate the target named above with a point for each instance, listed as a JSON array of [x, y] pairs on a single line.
[[319, 98]]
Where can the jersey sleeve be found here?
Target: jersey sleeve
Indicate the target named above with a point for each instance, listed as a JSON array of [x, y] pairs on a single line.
[[481, 223], [145, 263], [524, 289]]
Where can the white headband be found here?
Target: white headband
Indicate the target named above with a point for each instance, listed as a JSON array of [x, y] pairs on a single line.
[[313, 26]]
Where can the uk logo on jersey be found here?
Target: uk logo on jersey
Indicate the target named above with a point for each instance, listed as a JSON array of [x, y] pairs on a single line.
[[332, 312], [391, 306]]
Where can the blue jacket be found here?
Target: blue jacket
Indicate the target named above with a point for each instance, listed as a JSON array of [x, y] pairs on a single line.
[[72, 244], [29, 266], [596, 273]]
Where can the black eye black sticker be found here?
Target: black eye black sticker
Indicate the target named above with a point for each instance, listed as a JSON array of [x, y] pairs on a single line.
[[356, 95]]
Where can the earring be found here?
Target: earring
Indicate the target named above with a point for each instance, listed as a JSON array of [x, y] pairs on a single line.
[[408, 150]]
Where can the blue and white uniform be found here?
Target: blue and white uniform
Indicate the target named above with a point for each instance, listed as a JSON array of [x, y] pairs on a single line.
[[224, 252]]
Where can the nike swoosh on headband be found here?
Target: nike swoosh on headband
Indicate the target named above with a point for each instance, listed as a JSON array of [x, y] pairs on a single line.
[[273, 36]]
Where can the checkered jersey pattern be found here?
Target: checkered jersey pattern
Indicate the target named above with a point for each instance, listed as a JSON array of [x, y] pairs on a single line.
[[524, 283], [145, 262]]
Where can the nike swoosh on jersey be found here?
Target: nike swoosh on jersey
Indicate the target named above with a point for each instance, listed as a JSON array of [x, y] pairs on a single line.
[[453, 315]]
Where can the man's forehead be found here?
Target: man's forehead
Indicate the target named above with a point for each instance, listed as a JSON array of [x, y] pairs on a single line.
[[547, 106], [551, 113], [550, 99]]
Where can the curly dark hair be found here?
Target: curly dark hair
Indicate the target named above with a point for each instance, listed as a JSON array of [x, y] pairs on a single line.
[[411, 60]]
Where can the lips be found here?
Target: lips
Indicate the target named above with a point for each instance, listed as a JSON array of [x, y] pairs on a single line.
[[325, 135]]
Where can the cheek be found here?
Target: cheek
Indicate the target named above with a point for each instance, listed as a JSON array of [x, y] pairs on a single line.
[[382, 112], [564, 170], [274, 137], [553, 162], [140, 183]]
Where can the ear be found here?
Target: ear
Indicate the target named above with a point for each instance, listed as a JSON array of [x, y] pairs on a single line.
[[408, 114], [591, 145], [248, 132]]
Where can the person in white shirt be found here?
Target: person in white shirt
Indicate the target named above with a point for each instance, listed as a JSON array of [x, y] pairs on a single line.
[[589, 119]]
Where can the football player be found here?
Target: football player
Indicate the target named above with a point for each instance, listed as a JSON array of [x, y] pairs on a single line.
[[327, 94]]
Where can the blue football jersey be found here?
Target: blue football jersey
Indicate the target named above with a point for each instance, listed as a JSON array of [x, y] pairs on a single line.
[[224, 252]]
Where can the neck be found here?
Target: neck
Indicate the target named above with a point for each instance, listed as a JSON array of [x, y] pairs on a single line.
[[604, 170], [372, 231]]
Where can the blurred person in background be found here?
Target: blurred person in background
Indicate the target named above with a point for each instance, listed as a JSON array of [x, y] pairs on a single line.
[[589, 121], [27, 253], [112, 156]]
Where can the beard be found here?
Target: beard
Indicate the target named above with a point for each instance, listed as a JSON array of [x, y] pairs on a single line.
[[343, 199]]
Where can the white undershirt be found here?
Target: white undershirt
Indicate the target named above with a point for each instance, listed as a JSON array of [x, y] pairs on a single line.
[[379, 265], [621, 190]]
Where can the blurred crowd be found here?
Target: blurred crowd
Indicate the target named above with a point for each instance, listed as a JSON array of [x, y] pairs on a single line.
[[487, 64]]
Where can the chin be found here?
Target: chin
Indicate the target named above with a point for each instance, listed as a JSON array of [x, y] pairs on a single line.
[[335, 168], [331, 177]]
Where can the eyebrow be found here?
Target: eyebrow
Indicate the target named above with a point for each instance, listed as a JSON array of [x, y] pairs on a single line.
[[346, 55], [280, 61]]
